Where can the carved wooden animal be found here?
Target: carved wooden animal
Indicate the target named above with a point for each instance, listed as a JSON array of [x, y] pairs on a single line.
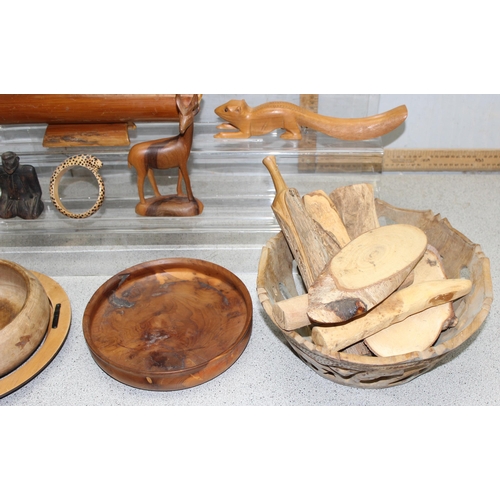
[[172, 152], [244, 121]]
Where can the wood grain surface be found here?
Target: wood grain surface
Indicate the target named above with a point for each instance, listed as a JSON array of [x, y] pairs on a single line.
[[419, 331], [399, 306], [365, 272], [87, 108], [24, 315], [168, 324]]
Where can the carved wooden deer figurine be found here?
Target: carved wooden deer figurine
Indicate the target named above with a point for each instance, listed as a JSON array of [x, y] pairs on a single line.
[[167, 153]]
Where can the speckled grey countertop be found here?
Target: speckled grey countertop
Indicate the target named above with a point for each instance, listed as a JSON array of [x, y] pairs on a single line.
[[268, 372]]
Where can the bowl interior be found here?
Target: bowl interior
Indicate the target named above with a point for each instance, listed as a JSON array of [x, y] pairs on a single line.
[[13, 292]]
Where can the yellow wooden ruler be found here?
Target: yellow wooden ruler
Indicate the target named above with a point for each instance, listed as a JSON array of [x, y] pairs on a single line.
[[309, 101], [441, 160], [308, 162]]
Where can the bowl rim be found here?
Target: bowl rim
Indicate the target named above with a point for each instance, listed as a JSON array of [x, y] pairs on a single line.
[[36, 306], [51, 343]]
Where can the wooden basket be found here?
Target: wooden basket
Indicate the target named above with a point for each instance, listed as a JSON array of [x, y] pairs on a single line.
[[462, 259]]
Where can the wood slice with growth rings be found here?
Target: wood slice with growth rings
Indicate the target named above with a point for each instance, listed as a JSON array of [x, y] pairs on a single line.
[[86, 161]]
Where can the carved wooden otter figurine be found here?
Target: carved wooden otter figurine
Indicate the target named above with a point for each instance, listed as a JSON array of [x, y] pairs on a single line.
[[245, 121]]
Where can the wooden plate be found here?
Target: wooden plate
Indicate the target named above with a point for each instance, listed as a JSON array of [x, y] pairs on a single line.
[[168, 324], [52, 342]]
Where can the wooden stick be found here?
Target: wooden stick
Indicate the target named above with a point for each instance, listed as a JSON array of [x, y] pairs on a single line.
[[394, 309]]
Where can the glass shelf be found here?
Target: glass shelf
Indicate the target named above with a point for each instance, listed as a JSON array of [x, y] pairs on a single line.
[[227, 176]]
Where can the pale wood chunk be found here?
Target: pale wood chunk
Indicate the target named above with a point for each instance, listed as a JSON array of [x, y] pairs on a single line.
[[317, 245], [291, 314], [421, 330], [322, 209], [365, 272], [356, 207], [394, 309]]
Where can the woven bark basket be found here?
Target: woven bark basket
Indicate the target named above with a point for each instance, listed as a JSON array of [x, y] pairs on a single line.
[[277, 278]]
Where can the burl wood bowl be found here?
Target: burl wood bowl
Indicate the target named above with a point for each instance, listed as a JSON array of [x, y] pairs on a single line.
[[24, 315], [168, 324], [461, 258]]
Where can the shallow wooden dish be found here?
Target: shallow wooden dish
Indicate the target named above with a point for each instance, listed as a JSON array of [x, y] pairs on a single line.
[[57, 331], [462, 258], [168, 324]]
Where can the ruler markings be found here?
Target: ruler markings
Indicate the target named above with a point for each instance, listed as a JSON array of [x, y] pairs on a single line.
[[441, 160]]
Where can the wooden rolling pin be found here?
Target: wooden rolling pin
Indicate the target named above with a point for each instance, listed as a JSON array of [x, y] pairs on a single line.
[[396, 308]]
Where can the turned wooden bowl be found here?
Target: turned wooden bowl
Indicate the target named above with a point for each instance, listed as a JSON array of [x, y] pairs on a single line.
[[461, 259], [168, 324], [24, 315]]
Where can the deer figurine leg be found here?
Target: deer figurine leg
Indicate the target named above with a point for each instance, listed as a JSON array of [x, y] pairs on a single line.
[[183, 173], [141, 175], [179, 183], [152, 181]]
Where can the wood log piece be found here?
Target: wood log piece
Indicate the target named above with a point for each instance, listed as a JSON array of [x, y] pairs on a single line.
[[365, 272], [310, 245], [89, 108], [375, 283], [421, 330], [356, 206], [291, 314], [394, 309], [322, 209], [324, 212]]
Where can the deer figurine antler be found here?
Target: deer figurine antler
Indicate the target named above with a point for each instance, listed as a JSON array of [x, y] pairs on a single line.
[[172, 152]]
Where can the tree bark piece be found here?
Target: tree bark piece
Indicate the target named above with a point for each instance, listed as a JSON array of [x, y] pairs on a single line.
[[322, 209], [419, 331], [310, 245], [356, 206], [394, 309], [365, 272]]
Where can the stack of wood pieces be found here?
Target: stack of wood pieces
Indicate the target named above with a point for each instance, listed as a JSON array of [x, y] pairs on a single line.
[[371, 289]]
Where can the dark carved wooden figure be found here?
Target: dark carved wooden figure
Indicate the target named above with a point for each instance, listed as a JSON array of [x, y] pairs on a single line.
[[20, 191], [172, 152]]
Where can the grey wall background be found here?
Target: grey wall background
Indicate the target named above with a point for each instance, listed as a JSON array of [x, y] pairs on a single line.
[[434, 120]]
